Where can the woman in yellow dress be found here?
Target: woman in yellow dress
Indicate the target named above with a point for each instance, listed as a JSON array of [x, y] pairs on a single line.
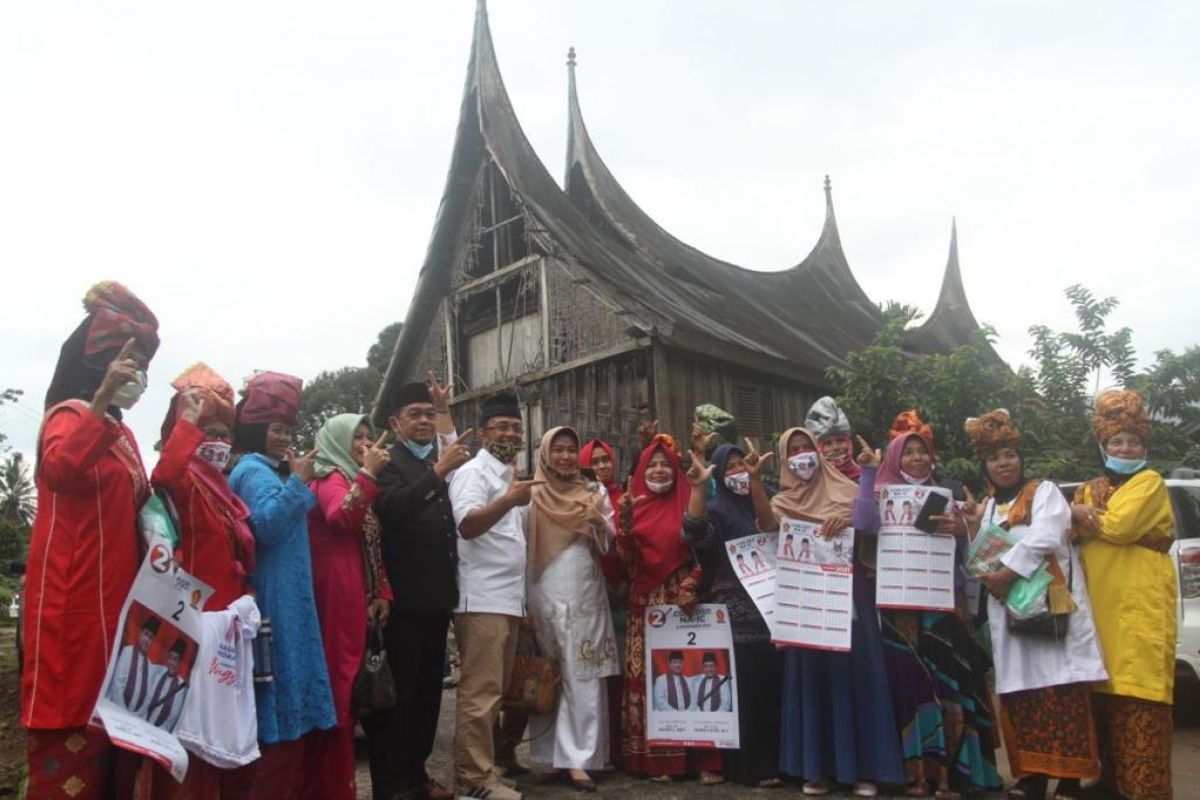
[[1125, 520]]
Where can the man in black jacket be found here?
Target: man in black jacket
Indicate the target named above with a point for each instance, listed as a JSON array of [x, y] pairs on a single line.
[[420, 552]]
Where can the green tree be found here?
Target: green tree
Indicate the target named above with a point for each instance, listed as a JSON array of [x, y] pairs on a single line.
[[1050, 399], [17, 491], [8, 396], [344, 390]]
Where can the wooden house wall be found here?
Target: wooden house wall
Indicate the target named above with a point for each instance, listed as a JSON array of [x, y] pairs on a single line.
[[763, 404]]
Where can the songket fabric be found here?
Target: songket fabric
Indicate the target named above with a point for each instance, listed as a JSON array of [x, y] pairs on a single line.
[[1050, 731]]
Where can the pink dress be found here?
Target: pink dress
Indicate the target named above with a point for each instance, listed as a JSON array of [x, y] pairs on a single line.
[[337, 528]]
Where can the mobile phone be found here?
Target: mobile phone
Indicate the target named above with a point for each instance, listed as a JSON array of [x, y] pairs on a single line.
[[934, 506]]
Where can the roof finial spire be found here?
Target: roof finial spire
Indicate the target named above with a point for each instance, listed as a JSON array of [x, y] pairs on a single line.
[[828, 194], [571, 58]]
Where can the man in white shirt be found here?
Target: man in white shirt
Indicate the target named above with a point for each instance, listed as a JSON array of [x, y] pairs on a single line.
[[673, 690], [130, 684], [490, 512], [710, 691]]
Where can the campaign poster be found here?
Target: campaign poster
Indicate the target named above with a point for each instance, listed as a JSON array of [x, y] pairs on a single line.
[[753, 561], [691, 678], [914, 569], [814, 587], [148, 677]]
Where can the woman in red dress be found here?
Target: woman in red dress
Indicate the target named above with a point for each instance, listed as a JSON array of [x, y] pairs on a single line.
[[83, 554], [215, 542], [662, 571], [349, 584]]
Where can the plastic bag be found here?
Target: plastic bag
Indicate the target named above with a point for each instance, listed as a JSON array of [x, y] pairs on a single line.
[[155, 519], [1027, 597]]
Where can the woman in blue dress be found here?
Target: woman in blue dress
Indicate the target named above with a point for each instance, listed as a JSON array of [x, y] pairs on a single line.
[[272, 482]]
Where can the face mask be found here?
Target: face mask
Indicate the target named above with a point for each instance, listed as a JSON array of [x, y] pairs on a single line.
[[504, 451], [803, 465], [421, 451], [129, 393], [1124, 466], [215, 453], [660, 488], [738, 483], [912, 479]]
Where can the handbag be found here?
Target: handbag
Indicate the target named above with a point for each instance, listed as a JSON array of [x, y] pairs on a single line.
[[1049, 617], [373, 689], [535, 677]]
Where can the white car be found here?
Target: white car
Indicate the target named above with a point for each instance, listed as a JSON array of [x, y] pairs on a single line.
[[1184, 488]]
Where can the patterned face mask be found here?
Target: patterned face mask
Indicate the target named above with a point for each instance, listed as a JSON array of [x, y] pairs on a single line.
[[738, 483], [215, 453], [504, 451], [803, 465]]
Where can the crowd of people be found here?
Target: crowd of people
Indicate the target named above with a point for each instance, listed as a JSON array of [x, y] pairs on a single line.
[[394, 523]]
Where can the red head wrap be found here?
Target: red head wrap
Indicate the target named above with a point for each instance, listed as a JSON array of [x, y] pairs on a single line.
[[117, 315], [271, 397], [214, 390]]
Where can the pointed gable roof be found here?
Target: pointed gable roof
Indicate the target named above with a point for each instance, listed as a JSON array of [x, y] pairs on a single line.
[[952, 324], [819, 308]]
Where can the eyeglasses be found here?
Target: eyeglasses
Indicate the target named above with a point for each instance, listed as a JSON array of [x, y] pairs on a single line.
[[505, 427]]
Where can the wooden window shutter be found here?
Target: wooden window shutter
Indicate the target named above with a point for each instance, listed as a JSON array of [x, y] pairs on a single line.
[[748, 408]]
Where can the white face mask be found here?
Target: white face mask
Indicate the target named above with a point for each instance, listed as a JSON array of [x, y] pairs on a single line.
[[660, 488], [127, 396], [803, 465], [912, 478], [215, 453], [738, 483]]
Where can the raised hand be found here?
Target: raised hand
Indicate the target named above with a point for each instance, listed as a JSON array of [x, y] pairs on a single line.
[[832, 526], [625, 510], [120, 371], [453, 456], [303, 467], [376, 456], [441, 394], [589, 514], [754, 460], [972, 511], [701, 441], [697, 473], [521, 492], [647, 431], [191, 406], [867, 456]]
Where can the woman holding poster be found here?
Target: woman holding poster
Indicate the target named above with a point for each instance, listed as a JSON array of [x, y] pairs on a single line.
[[1043, 682], [730, 515], [662, 572], [837, 711], [83, 551], [936, 669]]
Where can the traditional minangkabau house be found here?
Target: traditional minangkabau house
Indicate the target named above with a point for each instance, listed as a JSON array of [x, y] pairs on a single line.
[[576, 299]]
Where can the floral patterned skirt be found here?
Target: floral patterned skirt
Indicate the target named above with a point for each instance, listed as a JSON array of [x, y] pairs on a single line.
[[1135, 745], [1050, 731], [636, 756]]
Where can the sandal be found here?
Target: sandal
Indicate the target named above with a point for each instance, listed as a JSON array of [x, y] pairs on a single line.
[[711, 778], [865, 789], [1032, 787], [661, 779], [816, 788], [770, 783], [916, 789], [947, 794]]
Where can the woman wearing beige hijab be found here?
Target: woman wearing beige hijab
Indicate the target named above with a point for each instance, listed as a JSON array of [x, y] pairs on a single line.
[[571, 526]]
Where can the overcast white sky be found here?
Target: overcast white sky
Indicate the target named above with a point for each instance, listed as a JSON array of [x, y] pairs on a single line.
[[265, 175]]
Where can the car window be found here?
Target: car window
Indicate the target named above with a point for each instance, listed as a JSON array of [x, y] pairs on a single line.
[[1186, 500]]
